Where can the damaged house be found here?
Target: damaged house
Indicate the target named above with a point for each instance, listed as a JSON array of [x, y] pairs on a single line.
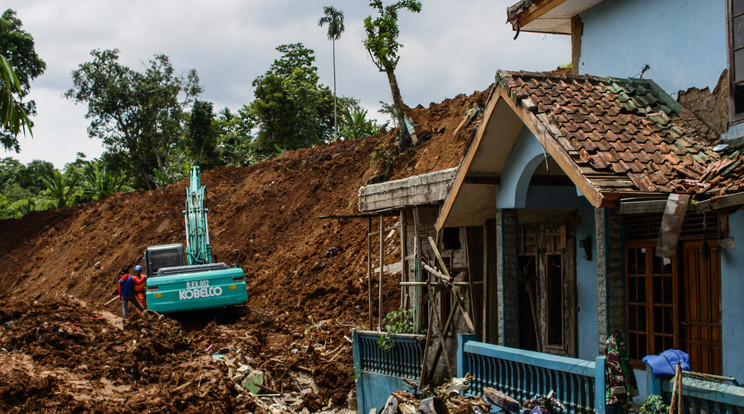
[[607, 199]]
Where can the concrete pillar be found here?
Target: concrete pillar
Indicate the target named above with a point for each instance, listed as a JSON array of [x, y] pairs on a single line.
[[507, 232], [610, 273]]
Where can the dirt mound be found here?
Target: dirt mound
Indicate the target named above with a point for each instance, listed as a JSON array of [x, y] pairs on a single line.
[[62, 349]]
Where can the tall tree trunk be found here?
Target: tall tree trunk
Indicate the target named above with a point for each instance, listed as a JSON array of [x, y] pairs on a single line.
[[335, 125], [404, 140]]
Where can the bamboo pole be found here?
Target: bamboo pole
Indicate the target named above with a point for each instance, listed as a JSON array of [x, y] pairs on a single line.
[[369, 268], [403, 253], [382, 263]]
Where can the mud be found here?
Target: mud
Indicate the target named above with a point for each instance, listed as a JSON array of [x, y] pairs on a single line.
[[62, 349]]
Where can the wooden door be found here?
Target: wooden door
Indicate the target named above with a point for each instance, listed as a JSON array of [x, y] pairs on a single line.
[[701, 325], [548, 285]]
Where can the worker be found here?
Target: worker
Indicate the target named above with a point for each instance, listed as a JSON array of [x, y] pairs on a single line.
[[139, 286], [127, 293]]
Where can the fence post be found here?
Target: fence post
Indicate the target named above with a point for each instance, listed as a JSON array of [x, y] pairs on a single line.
[[462, 362], [599, 385], [653, 384], [357, 368]]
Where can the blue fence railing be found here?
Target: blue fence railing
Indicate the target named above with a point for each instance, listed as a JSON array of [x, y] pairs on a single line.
[[402, 360], [521, 374], [700, 395], [379, 371]]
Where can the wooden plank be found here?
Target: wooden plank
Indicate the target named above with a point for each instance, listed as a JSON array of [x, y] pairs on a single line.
[[462, 171], [642, 206], [453, 283], [533, 12], [560, 156], [731, 200], [458, 301]]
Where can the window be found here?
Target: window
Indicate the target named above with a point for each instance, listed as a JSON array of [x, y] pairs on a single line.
[[674, 303], [650, 283], [736, 56]]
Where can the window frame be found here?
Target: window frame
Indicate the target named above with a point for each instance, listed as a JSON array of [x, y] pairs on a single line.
[[733, 115]]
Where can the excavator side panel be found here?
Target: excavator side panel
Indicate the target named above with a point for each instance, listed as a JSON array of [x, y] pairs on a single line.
[[198, 290]]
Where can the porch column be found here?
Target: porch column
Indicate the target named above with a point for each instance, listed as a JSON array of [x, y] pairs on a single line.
[[507, 232], [610, 273]]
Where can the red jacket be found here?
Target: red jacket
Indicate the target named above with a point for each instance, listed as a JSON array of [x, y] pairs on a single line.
[[126, 285]]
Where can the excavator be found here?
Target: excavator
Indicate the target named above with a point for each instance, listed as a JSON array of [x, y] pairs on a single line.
[[181, 279]]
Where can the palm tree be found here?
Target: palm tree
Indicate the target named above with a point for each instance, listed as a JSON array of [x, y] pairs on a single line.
[[335, 20], [12, 115]]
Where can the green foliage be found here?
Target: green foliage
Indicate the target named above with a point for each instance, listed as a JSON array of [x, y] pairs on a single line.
[[18, 181], [39, 186], [19, 65], [382, 32], [653, 404], [291, 108], [355, 125], [235, 136], [383, 159], [399, 321], [60, 187], [99, 182], [334, 18], [201, 139], [383, 47], [139, 114]]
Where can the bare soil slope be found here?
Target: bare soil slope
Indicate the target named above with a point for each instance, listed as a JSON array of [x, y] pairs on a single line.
[[63, 350]]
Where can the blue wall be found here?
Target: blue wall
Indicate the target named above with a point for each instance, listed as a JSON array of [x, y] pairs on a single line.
[[525, 156], [586, 286], [683, 41], [732, 305]]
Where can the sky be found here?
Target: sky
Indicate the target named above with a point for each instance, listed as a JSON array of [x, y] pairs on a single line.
[[451, 47]]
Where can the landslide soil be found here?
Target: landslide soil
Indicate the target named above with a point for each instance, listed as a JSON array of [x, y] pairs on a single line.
[[63, 349]]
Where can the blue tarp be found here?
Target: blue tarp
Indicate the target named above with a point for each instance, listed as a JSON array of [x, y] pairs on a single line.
[[664, 364]]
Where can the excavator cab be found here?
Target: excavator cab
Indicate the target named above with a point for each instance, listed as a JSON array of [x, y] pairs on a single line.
[[166, 255]]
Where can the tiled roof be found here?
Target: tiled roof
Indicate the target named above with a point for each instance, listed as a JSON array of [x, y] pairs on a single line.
[[626, 135]]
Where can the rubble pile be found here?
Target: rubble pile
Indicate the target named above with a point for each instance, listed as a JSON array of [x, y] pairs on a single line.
[[64, 346]]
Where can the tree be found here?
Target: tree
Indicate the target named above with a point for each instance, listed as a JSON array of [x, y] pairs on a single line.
[[19, 65], [99, 182], [235, 136], [335, 20], [201, 139], [140, 114], [292, 110], [382, 45], [60, 187]]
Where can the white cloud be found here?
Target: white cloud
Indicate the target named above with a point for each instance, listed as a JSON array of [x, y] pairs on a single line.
[[449, 48]]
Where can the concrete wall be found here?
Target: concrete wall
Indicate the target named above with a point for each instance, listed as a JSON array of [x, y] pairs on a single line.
[[683, 41], [732, 306]]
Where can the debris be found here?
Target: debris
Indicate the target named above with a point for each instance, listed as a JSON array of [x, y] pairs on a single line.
[[253, 381]]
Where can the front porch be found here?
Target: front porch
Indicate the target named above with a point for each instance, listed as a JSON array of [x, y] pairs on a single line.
[[577, 383]]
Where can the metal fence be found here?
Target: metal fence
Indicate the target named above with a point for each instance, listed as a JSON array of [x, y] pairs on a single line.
[[578, 384]]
